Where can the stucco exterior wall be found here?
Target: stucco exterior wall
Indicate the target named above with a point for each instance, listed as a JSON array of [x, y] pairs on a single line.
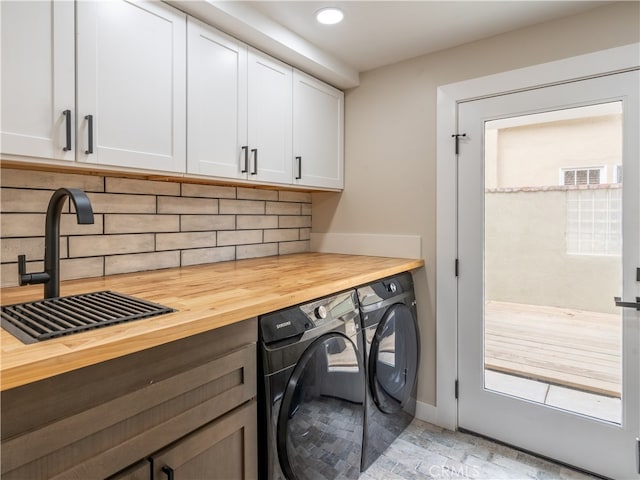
[[526, 259], [532, 155]]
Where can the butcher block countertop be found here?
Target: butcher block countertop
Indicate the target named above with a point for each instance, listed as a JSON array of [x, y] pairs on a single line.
[[206, 297]]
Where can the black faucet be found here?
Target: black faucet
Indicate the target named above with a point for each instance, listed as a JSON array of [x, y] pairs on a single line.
[[51, 275]]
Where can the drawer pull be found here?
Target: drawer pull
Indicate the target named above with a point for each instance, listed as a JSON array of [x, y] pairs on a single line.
[[168, 471]]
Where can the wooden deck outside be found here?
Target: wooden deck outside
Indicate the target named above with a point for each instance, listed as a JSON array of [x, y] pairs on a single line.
[[560, 346]]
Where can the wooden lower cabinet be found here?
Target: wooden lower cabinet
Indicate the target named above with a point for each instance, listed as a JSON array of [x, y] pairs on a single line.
[[224, 449], [189, 405]]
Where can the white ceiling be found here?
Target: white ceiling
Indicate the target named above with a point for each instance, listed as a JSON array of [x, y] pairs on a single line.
[[376, 33], [373, 33]]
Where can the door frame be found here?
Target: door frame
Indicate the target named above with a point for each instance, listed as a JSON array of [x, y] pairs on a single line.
[[598, 63]]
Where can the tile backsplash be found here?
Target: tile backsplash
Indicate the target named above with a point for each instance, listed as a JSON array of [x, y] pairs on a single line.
[[147, 224]]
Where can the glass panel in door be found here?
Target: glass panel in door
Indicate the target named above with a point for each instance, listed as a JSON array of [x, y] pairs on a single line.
[[553, 240]]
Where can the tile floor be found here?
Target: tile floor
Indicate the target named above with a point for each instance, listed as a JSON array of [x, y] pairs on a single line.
[[585, 403], [424, 451]]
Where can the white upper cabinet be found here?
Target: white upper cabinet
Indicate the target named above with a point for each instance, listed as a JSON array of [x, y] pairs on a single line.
[[38, 74], [270, 119], [318, 143], [217, 103], [105, 83], [131, 85]]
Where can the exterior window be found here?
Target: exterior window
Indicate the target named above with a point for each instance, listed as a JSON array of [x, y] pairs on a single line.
[[582, 176], [594, 221]]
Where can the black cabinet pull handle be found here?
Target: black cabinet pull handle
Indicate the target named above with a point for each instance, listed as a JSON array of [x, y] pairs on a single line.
[[246, 159], [168, 471], [89, 119], [255, 161], [299, 176], [620, 303], [67, 114]]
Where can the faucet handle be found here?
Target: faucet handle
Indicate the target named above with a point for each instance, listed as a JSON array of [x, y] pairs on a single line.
[[25, 278]]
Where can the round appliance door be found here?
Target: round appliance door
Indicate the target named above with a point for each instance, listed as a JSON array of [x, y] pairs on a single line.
[[393, 359], [319, 432]]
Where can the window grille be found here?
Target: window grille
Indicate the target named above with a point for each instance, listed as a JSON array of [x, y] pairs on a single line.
[[582, 176]]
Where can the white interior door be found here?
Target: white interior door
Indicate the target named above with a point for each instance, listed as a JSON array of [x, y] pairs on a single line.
[[548, 234]]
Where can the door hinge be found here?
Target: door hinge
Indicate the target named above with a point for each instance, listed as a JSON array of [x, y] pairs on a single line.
[[456, 389], [456, 267], [638, 454], [457, 137]]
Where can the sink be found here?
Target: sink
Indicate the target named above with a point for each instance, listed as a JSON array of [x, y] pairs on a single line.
[[54, 317]]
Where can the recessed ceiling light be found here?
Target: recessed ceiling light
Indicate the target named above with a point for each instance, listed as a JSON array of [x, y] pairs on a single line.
[[329, 15]]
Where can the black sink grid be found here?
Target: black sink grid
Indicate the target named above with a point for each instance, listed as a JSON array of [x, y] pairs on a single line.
[[54, 317]]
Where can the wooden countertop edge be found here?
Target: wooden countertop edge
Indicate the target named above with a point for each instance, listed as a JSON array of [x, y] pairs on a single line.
[[16, 370]]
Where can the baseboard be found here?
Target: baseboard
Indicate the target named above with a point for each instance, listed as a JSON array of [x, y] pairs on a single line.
[[379, 245], [427, 413]]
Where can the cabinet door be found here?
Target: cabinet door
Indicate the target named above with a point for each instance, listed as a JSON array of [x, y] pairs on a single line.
[[217, 103], [131, 84], [318, 112], [270, 119], [225, 448], [38, 74]]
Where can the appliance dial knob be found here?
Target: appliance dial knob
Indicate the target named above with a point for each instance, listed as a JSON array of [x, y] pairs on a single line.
[[392, 287], [320, 312]]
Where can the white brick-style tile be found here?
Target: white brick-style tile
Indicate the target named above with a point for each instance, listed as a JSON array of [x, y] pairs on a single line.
[[248, 222], [256, 194], [294, 221], [96, 245], [50, 180], [283, 208], [122, 203], [22, 224], [71, 268], [24, 200], [254, 251], [140, 261], [142, 224], [285, 248], [281, 235], [129, 185], [290, 196], [182, 240], [203, 206], [239, 237], [242, 207], [198, 256], [207, 191], [198, 223]]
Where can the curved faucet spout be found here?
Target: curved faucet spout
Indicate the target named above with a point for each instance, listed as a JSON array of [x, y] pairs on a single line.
[[51, 275], [84, 215]]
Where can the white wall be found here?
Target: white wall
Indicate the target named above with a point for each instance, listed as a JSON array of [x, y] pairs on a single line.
[[390, 138]]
